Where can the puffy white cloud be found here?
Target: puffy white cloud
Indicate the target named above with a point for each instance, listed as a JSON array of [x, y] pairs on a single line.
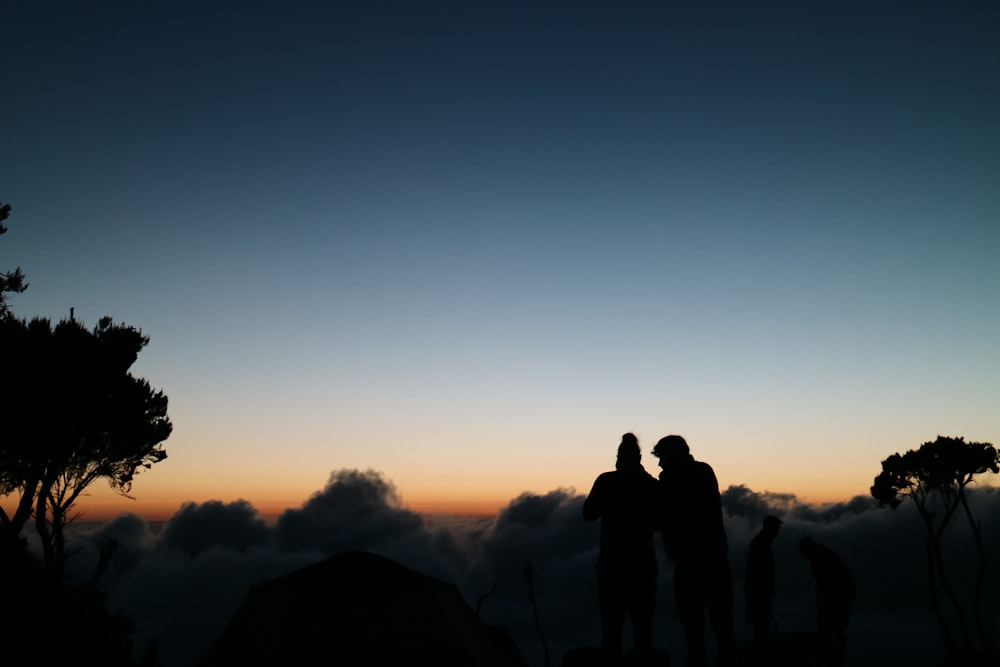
[[356, 510], [196, 528]]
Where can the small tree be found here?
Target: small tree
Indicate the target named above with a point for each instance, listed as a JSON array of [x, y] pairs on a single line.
[[935, 478], [71, 413]]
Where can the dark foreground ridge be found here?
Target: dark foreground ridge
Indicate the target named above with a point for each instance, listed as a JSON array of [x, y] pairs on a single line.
[[359, 608]]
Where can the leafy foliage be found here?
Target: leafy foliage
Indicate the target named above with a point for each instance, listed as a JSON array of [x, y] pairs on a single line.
[[72, 413], [944, 466], [10, 281]]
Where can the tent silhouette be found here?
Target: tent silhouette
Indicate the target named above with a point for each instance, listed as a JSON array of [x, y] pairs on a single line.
[[359, 608]]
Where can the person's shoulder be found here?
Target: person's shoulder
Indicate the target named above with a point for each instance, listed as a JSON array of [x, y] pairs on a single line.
[[703, 470]]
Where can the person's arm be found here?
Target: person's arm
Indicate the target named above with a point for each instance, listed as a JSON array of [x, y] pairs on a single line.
[[593, 506]]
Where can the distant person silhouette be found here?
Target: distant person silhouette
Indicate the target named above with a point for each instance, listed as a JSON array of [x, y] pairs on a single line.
[[835, 593], [625, 500], [695, 541], [759, 586]]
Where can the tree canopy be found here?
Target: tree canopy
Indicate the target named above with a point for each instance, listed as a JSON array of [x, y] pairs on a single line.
[[10, 281], [71, 413], [945, 466]]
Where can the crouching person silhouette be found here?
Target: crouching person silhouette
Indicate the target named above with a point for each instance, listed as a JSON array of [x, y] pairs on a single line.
[[835, 591], [626, 501]]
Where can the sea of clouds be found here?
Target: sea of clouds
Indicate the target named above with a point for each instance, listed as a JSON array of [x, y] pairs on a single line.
[[182, 581]]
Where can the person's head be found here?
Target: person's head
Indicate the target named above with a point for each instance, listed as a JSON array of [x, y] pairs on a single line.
[[671, 449], [628, 450], [772, 525]]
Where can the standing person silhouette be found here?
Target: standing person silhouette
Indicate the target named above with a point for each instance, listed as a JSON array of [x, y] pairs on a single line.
[[759, 586], [625, 500], [835, 593], [695, 541]]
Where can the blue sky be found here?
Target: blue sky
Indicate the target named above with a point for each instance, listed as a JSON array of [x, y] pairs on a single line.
[[470, 244]]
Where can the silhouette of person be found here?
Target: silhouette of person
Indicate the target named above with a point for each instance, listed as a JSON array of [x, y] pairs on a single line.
[[695, 541], [835, 593], [625, 500], [759, 585]]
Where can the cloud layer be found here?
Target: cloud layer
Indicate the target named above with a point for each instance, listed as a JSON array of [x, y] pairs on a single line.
[[184, 580]]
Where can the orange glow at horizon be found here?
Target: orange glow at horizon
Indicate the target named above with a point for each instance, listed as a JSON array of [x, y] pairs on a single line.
[[105, 509], [157, 505]]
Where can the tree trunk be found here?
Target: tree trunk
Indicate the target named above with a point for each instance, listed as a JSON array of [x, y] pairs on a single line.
[[963, 622], [946, 635], [977, 600], [42, 526], [58, 543], [23, 512]]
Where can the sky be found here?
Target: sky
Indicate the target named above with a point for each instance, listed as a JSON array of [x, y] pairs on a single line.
[[467, 245]]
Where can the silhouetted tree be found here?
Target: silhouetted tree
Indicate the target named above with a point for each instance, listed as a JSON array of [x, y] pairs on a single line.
[[10, 281], [935, 478], [71, 413]]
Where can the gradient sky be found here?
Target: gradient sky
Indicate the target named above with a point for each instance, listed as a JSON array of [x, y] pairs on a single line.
[[470, 244]]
